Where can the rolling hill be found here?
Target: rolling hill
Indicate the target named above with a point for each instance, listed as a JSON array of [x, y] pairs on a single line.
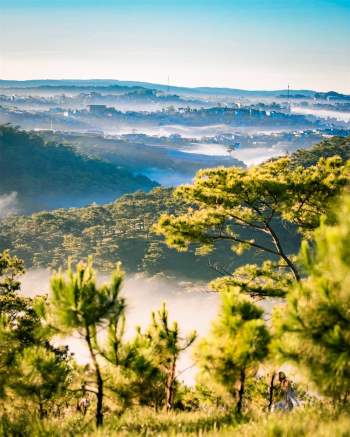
[[47, 175]]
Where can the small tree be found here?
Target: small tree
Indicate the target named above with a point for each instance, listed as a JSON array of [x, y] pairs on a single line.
[[163, 344], [140, 378], [153, 257], [40, 375], [18, 310], [19, 321], [314, 326], [10, 268], [78, 305], [9, 346], [238, 342]]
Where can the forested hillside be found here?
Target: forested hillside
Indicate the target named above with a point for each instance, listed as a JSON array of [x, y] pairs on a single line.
[[48, 175], [118, 231], [123, 231], [334, 146]]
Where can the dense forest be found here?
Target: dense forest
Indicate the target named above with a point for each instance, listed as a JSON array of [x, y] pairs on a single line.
[[122, 230], [132, 384], [334, 146], [47, 175]]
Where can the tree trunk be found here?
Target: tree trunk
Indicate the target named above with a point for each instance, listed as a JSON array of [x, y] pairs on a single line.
[[99, 381], [41, 410], [169, 388], [271, 390], [241, 392], [280, 250], [99, 406]]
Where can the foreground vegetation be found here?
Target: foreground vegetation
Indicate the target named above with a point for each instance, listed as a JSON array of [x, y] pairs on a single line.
[[132, 385], [305, 423]]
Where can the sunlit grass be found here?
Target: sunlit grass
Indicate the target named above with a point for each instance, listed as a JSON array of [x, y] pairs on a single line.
[[303, 422]]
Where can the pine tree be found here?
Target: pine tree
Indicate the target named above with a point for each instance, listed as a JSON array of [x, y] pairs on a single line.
[[41, 375], [314, 327], [237, 343], [164, 344], [142, 380], [78, 305], [9, 346], [16, 310], [154, 255], [248, 208]]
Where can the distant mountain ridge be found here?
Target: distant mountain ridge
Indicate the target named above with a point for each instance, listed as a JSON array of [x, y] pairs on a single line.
[[107, 83]]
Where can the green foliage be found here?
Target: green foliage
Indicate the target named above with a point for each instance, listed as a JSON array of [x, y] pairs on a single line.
[[123, 230], [247, 209], [314, 325], [161, 346], [263, 281], [140, 381], [229, 201], [18, 320], [238, 342], [9, 345], [153, 258], [10, 268], [11, 304], [40, 375], [317, 421], [29, 365], [229, 198], [135, 422], [119, 231], [79, 305], [339, 146]]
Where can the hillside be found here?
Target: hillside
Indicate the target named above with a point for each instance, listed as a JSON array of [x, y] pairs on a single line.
[[160, 159], [47, 175], [117, 231], [123, 231], [334, 146]]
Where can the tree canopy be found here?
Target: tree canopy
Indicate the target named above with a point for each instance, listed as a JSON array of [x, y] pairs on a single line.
[[238, 342], [264, 200], [79, 305], [314, 326]]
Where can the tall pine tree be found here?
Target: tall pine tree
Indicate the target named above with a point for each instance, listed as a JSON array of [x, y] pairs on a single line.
[[79, 305], [237, 343], [314, 326]]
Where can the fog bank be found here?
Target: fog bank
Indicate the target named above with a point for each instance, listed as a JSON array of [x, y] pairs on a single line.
[[191, 305], [8, 204]]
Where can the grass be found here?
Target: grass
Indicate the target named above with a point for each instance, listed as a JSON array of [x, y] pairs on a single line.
[[136, 422], [303, 422], [308, 422]]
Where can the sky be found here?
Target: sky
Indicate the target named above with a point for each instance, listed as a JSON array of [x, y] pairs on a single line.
[[249, 44]]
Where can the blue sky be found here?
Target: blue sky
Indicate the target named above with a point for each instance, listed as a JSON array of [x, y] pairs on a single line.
[[252, 44]]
